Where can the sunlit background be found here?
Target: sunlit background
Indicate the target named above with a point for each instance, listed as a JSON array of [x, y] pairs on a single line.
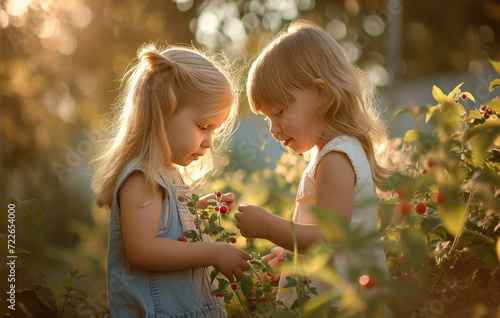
[[62, 60]]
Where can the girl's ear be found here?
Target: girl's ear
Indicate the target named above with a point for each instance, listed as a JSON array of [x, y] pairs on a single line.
[[321, 88]]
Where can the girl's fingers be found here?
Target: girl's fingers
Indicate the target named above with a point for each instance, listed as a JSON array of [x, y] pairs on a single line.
[[228, 197], [242, 207], [245, 266], [237, 215], [229, 276], [267, 257], [238, 274]]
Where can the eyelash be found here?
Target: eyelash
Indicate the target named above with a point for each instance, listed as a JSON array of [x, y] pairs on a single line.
[[202, 128], [279, 113]]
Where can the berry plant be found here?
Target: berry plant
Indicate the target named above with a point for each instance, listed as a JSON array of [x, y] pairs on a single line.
[[255, 292], [439, 224]]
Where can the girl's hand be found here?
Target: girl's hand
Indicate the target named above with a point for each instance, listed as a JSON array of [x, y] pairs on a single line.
[[274, 259], [252, 221], [230, 260], [229, 198]]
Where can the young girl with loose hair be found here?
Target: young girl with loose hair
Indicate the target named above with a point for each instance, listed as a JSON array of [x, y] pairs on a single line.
[[176, 105], [318, 103]]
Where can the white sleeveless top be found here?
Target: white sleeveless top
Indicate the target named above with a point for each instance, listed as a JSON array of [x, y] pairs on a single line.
[[364, 214]]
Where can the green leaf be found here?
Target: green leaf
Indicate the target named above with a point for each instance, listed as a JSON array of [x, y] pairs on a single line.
[[438, 95], [32, 290], [474, 114], [484, 253], [223, 283], [422, 183], [494, 84], [461, 108], [213, 274], [492, 165], [430, 112], [469, 96], [494, 106], [484, 136], [415, 245], [453, 215], [411, 135], [496, 66], [430, 223], [65, 283], [452, 94], [267, 268], [449, 118], [37, 302], [320, 305], [246, 284], [256, 265]]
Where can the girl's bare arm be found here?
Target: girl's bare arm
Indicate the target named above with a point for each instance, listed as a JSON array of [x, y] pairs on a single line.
[[145, 250], [335, 180]]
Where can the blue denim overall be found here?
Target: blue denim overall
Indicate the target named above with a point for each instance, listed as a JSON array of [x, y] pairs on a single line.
[[134, 292]]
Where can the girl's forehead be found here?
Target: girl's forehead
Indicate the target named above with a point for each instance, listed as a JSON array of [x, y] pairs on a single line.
[[267, 109], [215, 114]]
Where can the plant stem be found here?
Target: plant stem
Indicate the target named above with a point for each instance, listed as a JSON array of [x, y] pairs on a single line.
[[258, 277], [198, 225], [455, 241], [242, 305], [66, 296]]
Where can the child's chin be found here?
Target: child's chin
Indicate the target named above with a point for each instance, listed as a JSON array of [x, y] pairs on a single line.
[[184, 163], [298, 149]]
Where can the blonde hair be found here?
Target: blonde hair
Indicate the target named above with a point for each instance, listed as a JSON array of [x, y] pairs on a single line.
[[299, 56], [155, 87]]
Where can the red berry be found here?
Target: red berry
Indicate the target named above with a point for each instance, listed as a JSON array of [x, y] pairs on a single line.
[[424, 171], [483, 108], [234, 286], [486, 115], [216, 208], [215, 232], [421, 208], [218, 194], [402, 193], [489, 111], [366, 282], [464, 96], [220, 295], [460, 195], [440, 197], [305, 282], [183, 239], [429, 163], [263, 299], [224, 209], [254, 300], [403, 208], [232, 240]]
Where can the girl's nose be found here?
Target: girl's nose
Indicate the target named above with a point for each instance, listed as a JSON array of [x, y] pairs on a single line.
[[275, 127], [207, 142]]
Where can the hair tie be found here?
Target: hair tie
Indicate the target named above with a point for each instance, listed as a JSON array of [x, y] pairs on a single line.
[[171, 64]]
